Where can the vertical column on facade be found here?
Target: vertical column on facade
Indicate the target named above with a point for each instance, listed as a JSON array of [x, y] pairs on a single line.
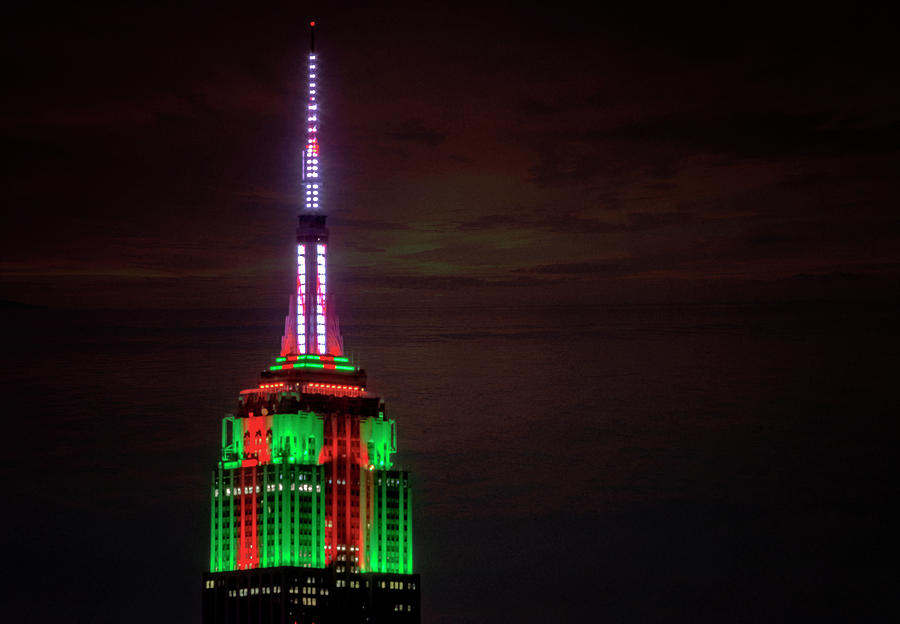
[[401, 514], [242, 535], [382, 523], [296, 526], [287, 528], [225, 530], [407, 518], [362, 553], [276, 532], [231, 554], [270, 503], [262, 529], [332, 512], [219, 527], [317, 519], [347, 489], [282, 523], [254, 522]]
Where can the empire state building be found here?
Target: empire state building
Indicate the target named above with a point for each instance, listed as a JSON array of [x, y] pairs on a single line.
[[310, 521]]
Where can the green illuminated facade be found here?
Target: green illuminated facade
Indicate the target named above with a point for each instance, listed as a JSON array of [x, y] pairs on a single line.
[[306, 478], [284, 521], [390, 534]]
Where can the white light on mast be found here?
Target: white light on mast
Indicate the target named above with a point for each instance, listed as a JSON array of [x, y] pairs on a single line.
[[311, 152]]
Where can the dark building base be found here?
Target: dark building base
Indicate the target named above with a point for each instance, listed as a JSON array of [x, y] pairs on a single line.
[[309, 596]]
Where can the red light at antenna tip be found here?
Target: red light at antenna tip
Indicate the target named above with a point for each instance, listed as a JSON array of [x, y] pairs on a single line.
[[312, 23]]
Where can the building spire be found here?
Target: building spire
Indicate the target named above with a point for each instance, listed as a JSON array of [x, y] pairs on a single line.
[[311, 186], [312, 326]]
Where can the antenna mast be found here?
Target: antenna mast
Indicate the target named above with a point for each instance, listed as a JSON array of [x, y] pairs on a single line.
[[311, 186]]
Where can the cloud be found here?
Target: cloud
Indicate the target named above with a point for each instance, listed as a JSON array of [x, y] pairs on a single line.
[[657, 147], [502, 220], [414, 131], [764, 134], [367, 224], [362, 248], [541, 108], [591, 268], [543, 220], [369, 279]]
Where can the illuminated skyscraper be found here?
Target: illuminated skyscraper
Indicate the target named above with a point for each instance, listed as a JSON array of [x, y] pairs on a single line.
[[309, 519]]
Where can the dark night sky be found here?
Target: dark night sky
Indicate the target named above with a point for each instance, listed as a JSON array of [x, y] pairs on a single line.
[[626, 279]]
